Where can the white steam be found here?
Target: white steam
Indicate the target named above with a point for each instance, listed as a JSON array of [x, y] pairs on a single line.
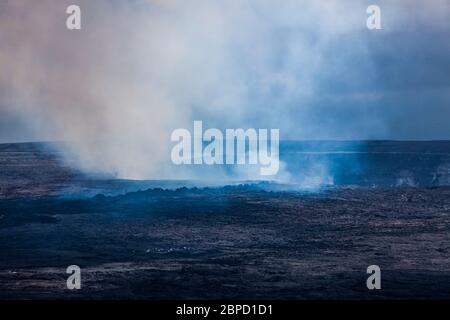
[[138, 69]]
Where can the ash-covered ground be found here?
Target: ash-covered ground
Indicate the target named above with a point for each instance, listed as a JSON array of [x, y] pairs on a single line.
[[243, 241]]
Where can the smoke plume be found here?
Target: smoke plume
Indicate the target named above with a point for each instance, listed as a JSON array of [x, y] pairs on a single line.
[[137, 70]]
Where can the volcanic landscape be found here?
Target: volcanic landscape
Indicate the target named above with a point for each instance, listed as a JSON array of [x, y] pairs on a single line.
[[388, 205]]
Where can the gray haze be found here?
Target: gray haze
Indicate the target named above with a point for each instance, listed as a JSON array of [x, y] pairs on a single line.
[[139, 69]]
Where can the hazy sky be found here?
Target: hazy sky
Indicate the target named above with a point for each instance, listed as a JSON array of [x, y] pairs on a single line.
[[139, 69]]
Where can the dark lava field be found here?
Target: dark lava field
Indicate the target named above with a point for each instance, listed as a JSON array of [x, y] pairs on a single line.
[[145, 240]]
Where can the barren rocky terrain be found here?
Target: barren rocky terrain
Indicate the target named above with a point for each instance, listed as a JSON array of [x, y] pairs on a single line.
[[242, 241]]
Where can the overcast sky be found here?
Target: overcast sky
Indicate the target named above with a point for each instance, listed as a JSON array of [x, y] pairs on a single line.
[[312, 69]]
